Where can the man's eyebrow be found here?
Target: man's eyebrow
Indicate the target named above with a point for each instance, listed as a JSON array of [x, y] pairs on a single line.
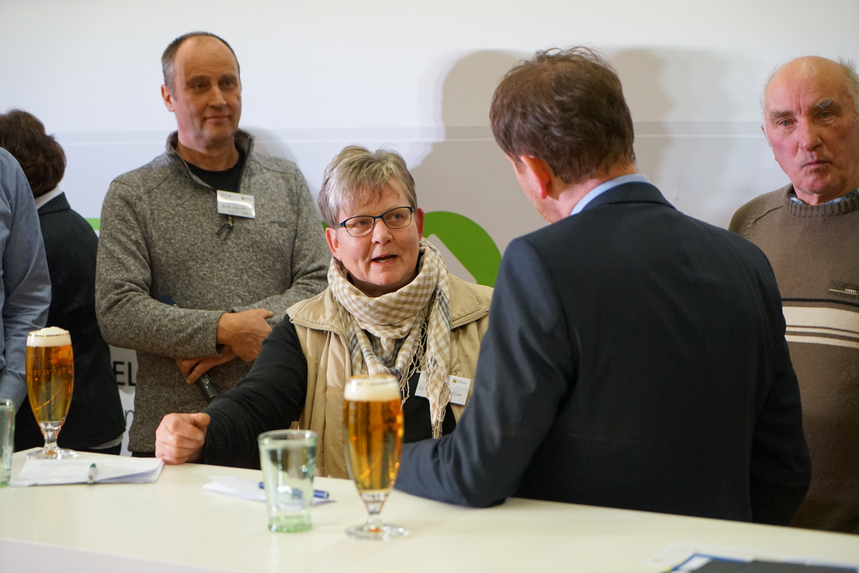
[[824, 104], [197, 78], [778, 114], [827, 103]]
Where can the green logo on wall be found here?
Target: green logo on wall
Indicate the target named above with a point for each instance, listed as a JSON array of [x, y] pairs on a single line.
[[468, 242]]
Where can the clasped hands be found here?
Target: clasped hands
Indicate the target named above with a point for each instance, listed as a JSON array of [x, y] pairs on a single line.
[[240, 334]]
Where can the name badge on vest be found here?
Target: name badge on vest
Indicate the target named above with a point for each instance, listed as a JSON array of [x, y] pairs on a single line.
[[458, 388], [236, 204]]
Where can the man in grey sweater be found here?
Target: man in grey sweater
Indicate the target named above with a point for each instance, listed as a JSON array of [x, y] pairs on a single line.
[[228, 236]]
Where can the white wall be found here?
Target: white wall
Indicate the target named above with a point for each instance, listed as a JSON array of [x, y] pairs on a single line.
[[418, 75], [321, 74]]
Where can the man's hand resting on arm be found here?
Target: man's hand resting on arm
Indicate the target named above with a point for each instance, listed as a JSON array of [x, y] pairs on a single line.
[[244, 331], [180, 437], [193, 368]]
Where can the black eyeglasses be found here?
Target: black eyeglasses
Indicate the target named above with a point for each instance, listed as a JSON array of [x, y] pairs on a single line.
[[361, 225]]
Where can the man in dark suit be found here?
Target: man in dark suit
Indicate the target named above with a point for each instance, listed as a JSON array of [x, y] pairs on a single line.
[[635, 357]]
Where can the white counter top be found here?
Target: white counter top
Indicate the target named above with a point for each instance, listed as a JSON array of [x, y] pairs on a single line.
[[183, 528]]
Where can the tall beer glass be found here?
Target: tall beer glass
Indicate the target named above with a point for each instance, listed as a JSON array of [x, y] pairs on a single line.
[[50, 380], [373, 427]]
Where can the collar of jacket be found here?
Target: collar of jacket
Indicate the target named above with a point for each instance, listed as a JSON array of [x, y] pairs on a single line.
[[58, 203], [634, 192], [244, 141]]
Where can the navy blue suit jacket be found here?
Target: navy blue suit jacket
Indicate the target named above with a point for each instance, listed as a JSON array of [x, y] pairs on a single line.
[[635, 358]]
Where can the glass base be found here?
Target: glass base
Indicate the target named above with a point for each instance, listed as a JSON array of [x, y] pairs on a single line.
[[290, 523], [376, 531], [51, 454]]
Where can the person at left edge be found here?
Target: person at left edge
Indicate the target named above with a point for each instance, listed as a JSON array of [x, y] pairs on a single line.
[[164, 232], [26, 291], [95, 421]]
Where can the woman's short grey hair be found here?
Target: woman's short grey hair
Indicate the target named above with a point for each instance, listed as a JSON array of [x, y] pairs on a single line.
[[356, 173]]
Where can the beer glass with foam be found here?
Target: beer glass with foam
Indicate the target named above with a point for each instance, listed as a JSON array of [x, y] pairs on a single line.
[[50, 381], [373, 426]]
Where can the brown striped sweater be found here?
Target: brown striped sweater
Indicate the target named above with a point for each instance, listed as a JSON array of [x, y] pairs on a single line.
[[814, 251]]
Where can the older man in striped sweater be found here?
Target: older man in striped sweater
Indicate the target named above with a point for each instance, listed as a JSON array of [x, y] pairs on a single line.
[[809, 229]]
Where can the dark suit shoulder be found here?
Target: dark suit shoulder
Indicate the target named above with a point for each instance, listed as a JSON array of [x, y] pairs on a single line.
[[65, 230], [608, 237]]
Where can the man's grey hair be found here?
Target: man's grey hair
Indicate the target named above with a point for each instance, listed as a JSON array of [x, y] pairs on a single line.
[[356, 173], [169, 55], [851, 79]]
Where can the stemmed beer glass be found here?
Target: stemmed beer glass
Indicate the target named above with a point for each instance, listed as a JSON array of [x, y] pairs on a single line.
[[373, 427], [50, 380]]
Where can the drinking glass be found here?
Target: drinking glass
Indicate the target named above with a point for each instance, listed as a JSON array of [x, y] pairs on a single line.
[[288, 462], [7, 440], [373, 427], [50, 380]]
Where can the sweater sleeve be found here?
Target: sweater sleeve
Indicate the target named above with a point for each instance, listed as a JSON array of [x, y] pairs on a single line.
[[270, 397], [127, 314]]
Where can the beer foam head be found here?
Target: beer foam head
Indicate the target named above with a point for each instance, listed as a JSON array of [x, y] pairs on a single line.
[[372, 389], [51, 336]]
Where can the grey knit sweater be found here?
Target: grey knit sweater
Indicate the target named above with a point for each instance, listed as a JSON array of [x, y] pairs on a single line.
[[160, 236]]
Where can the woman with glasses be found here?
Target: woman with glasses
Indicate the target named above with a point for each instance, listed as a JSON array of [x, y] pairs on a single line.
[[390, 308]]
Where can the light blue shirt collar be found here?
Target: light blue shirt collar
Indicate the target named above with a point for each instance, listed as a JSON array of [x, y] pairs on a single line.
[[603, 187], [792, 196]]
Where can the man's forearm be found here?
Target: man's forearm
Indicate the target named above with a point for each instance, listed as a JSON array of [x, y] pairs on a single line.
[[141, 323], [305, 287]]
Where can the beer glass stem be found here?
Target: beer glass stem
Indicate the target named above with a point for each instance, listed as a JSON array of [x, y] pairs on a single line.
[[374, 503], [50, 430], [374, 528]]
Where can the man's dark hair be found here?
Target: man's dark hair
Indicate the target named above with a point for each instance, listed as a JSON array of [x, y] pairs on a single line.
[[169, 55], [39, 154], [565, 107]]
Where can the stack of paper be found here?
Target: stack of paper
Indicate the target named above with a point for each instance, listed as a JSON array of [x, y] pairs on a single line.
[[77, 470], [245, 489]]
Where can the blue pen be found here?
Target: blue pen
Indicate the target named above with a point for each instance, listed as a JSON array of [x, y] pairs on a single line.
[[320, 493]]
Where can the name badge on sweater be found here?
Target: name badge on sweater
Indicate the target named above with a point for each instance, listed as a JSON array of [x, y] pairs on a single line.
[[458, 388], [236, 204]]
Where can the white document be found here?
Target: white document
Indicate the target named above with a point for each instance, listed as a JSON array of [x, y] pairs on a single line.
[[244, 489], [117, 469]]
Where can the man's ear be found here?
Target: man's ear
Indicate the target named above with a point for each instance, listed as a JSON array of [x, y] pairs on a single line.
[[167, 97], [766, 136], [539, 173]]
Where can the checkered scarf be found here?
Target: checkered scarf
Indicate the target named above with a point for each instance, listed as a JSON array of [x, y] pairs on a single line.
[[386, 333]]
